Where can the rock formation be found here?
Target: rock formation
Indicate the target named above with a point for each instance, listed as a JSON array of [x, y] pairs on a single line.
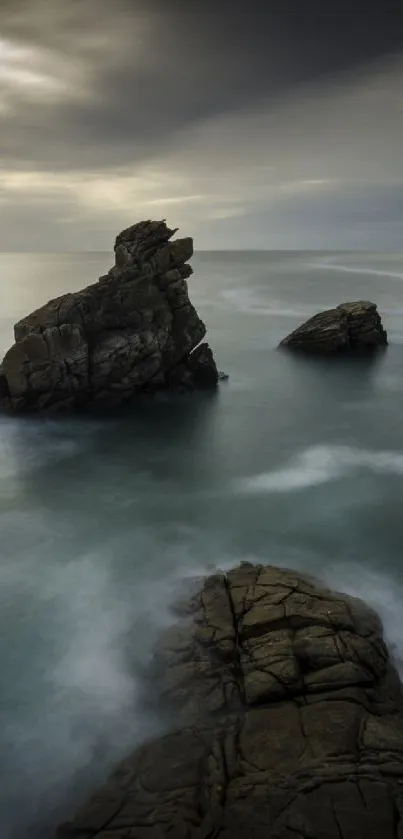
[[133, 331], [290, 723], [347, 329]]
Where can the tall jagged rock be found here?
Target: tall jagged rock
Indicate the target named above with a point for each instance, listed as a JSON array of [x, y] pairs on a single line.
[[123, 335], [290, 722], [349, 328]]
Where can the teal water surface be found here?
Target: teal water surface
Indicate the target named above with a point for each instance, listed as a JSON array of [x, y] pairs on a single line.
[[294, 463]]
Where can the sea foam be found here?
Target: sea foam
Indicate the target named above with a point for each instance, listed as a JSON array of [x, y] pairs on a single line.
[[319, 465]]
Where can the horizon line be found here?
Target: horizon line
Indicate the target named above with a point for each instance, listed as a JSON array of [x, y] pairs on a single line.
[[218, 250]]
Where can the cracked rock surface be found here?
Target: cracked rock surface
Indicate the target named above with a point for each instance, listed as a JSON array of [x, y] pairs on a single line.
[[289, 726], [349, 328], [132, 331]]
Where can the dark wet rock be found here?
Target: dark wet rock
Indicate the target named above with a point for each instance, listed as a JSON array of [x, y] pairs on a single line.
[[203, 367], [119, 337], [198, 371], [347, 329], [290, 722], [4, 390]]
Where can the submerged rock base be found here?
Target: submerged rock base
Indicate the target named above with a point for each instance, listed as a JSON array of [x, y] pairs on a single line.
[[348, 329], [290, 723], [133, 331]]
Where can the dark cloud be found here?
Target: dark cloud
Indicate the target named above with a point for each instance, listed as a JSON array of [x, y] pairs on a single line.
[[189, 99], [144, 71]]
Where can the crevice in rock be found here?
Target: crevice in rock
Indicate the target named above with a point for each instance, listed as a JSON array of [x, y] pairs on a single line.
[[336, 818], [237, 665]]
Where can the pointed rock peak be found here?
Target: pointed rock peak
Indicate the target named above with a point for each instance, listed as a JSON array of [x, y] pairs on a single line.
[[131, 332]]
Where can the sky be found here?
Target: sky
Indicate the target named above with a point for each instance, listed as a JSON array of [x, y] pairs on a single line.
[[259, 124]]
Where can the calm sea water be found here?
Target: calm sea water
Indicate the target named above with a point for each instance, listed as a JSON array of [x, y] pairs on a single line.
[[294, 463]]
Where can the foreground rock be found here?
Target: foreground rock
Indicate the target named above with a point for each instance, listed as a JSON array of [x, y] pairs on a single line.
[[131, 332], [290, 723], [349, 328]]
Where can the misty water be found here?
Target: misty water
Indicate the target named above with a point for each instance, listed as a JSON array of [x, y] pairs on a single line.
[[294, 462]]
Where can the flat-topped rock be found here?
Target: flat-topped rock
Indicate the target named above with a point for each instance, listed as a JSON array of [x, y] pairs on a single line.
[[350, 328], [289, 722], [119, 337]]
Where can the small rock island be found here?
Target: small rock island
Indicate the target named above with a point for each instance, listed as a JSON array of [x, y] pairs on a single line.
[[134, 331], [289, 722], [348, 329]]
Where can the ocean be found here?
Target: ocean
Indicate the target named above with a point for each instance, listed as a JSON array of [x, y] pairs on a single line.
[[294, 462]]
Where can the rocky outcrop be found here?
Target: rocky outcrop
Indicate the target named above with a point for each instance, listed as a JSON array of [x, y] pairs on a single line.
[[348, 329], [198, 370], [133, 331], [290, 723]]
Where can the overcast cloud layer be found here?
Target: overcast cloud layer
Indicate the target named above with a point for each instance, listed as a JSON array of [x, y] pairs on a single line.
[[245, 124]]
